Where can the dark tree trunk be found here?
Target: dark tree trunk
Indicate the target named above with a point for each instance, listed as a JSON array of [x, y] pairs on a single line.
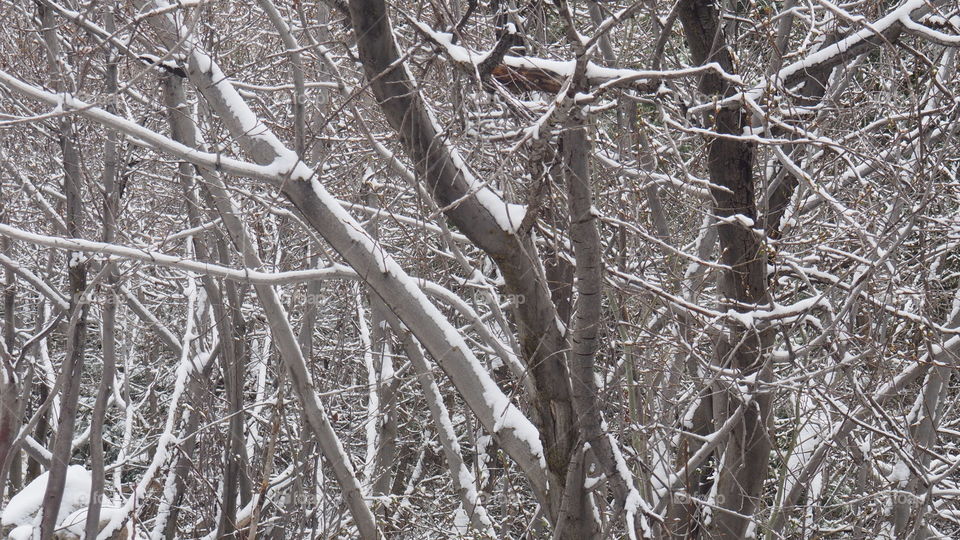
[[743, 287]]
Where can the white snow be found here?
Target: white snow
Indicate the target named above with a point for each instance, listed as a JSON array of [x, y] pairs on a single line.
[[461, 521], [826, 54], [900, 474], [203, 63], [23, 510], [140, 135], [746, 319], [509, 417], [76, 522], [23, 532], [373, 396], [746, 221], [563, 68], [76, 259], [249, 122], [591, 481], [929, 33], [508, 216]]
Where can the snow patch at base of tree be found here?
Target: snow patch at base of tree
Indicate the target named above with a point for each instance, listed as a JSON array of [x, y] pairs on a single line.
[[25, 508]]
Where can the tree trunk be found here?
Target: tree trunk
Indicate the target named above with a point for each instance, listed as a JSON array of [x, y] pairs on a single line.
[[743, 287], [72, 367]]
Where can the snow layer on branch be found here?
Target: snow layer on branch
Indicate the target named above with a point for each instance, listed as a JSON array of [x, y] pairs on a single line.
[[634, 502], [505, 414], [777, 311], [276, 157], [508, 216], [249, 122], [140, 135], [841, 47], [827, 54], [289, 164], [510, 417], [740, 219], [561, 68]]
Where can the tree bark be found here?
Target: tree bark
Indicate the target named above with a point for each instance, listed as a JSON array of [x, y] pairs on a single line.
[[743, 287], [111, 208], [11, 402], [542, 342], [72, 365]]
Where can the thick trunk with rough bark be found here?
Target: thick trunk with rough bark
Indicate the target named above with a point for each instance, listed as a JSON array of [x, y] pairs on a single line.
[[743, 287]]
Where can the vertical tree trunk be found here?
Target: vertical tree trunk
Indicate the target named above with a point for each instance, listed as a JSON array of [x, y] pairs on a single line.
[[111, 207], [743, 287], [72, 366], [11, 402], [584, 329]]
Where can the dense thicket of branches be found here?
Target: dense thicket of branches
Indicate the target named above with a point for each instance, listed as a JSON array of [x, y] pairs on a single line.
[[509, 269]]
